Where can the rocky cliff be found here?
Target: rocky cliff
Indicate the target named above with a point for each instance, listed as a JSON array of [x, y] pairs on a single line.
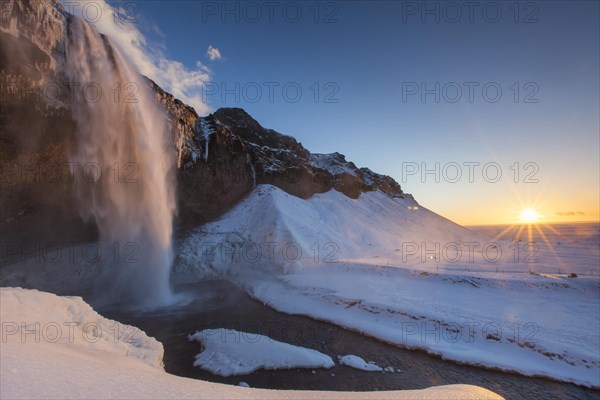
[[220, 157]]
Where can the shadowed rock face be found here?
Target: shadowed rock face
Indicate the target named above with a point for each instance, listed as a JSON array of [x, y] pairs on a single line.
[[37, 205], [220, 157], [282, 161]]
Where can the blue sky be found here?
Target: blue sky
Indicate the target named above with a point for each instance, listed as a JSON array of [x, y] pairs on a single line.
[[366, 55]]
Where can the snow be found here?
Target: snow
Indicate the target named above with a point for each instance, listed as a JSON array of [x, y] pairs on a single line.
[[329, 163], [358, 363], [206, 130], [228, 352], [71, 322], [347, 261], [376, 265], [126, 368], [277, 231], [545, 332]]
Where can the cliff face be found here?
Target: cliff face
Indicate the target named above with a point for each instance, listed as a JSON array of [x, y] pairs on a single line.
[[220, 157], [36, 199], [281, 161]]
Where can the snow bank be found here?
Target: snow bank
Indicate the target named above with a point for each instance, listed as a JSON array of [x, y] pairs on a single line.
[[227, 352], [104, 370], [530, 327], [44, 318], [358, 363]]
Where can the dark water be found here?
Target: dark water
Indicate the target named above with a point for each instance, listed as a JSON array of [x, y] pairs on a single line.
[[220, 304]]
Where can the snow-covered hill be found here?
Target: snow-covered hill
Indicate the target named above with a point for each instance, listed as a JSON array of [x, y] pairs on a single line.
[[388, 268], [272, 229]]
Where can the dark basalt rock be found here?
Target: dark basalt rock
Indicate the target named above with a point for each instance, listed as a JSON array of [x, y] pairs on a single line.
[[282, 161]]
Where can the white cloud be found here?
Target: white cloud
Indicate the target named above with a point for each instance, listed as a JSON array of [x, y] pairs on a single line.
[[213, 53], [174, 77]]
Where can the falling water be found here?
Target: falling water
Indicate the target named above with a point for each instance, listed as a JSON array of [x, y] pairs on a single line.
[[122, 132]]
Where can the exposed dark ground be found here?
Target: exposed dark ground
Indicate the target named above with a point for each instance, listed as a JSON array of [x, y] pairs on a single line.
[[221, 304]]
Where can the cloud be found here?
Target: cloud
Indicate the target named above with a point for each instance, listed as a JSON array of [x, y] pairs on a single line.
[[150, 59], [213, 53], [569, 213]]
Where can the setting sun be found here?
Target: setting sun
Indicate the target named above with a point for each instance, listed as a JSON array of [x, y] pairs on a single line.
[[529, 215]]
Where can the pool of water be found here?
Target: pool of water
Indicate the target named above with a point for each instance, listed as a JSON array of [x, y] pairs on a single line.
[[221, 304]]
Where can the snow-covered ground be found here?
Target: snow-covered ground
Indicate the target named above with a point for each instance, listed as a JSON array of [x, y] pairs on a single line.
[[530, 327], [59, 348], [227, 352], [38, 318], [396, 271], [391, 269]]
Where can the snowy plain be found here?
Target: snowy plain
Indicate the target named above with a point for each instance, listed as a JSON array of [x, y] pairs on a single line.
[[87, 358]]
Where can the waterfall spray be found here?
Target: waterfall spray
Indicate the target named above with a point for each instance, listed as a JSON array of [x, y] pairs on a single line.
[[122, 132]]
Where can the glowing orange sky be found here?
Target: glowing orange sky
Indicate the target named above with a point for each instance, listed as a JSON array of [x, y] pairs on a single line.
[[480, 204]]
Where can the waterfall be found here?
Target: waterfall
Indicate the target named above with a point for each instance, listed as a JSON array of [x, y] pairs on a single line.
[[123, 146]]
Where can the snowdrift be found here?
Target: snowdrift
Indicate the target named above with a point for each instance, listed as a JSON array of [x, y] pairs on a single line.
[[30, 317]]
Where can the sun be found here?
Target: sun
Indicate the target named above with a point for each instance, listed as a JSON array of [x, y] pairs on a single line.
[[529, 215]]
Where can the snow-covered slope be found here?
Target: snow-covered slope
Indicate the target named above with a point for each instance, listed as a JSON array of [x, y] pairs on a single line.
[[271, 229], [353, 263], [99, 368]]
